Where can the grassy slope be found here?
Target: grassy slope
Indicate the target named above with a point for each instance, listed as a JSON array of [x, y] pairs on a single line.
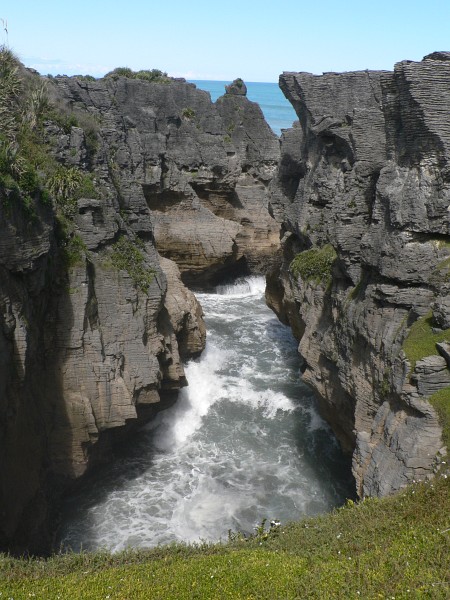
[[421, 342], [395, 547]]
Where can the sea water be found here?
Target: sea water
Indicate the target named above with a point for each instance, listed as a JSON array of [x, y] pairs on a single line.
[[244, 442], [277, 111]]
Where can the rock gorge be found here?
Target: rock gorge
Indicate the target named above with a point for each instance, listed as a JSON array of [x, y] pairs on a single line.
[[92, 345], [95, 323]]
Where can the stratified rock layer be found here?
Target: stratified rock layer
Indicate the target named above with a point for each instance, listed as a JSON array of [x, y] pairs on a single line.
[[202, 169], [87, 351], [366, 170]]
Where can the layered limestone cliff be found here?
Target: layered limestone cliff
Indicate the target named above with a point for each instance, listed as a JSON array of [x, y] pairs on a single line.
[[202, 169], [95, 323], [362, 192]]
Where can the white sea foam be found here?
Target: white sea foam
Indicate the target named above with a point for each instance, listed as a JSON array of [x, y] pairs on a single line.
[[238, 446], [246, 286]]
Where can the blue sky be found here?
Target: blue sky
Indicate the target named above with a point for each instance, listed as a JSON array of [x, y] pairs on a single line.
[[200, 39]]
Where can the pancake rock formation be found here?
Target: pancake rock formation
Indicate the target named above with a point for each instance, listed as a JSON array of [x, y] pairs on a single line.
[[362, 193], [201, 169], [116, 177]]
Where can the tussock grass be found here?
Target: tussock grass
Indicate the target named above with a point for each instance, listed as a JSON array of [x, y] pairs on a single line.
[[397, 546]]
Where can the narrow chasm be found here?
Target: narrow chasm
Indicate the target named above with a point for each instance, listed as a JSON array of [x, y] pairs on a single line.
[[243, 443]]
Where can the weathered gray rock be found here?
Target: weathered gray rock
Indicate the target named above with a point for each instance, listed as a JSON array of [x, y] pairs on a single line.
[[189, 172], [441, 310], [431, 374], [236, 88], [86, 354], [444, 351], [367, 174]]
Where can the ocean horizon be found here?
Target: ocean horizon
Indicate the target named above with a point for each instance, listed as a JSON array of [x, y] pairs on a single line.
[[277, 111]]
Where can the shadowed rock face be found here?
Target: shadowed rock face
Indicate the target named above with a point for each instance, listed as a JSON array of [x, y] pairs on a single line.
[[365, 170], [86, 353], [85, 357]]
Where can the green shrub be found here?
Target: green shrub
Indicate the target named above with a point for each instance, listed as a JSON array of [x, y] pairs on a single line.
[[85, 77], [188, 113], [315, 264], [11, 161], [153, 75], [120, 72], [63, 117], [69, 184], [62, 185], [74, 251], [127, 255], [11, 89]]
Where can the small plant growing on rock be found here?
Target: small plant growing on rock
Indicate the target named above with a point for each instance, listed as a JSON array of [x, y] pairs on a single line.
[[188, 113], [67, 185], [422, 339], [127, 255], [314, 264]]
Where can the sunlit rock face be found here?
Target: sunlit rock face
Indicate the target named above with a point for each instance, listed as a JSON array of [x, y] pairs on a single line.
[[366, 170], [201, 170]]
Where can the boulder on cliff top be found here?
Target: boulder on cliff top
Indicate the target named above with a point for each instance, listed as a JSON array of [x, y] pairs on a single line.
[[236, 88]]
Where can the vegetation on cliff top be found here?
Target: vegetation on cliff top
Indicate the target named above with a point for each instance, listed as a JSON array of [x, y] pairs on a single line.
[[153, 75], [29, 173], [22, 103], [393, 547]]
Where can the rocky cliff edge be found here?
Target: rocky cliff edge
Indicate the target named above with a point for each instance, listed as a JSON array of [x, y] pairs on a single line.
[[362, 193]]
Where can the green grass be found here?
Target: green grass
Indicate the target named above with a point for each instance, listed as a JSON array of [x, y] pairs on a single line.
[[441, 402], [314, 264], [395, 547], [421, 341]]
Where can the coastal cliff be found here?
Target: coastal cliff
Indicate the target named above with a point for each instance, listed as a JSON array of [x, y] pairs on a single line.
[[95, 323], [202, 170], [362, 194]]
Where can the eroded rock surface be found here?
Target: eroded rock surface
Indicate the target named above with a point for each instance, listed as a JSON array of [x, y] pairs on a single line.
[[92, 332], [200, 169], [365, 170]]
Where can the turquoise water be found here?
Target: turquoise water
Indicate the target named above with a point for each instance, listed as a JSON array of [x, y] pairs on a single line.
[[277, 110]]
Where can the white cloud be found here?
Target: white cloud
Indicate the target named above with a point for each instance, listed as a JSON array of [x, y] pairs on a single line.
[[61, 67]]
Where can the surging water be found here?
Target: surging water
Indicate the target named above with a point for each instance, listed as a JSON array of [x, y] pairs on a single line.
[[244, 442]]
